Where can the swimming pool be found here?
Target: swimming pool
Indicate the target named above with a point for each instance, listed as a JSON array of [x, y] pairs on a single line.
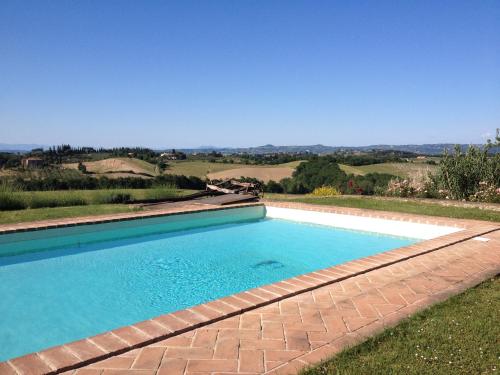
[[61, 285]]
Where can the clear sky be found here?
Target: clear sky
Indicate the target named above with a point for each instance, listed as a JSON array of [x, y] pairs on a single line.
[[247, 73]]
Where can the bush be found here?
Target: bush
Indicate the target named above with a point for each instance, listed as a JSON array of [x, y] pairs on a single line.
[[486, 193], [82, 168], [317, 173], [325, 191], [470, 175], [273, 187], [54, 180], [368, 184], [292, 186]]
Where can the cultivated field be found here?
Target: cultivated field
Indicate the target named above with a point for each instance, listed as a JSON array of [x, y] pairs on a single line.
[[204, 169], [396, 169], [118, 167]]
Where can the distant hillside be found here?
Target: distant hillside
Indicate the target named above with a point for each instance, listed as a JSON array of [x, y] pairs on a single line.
[[425, 149], [118, 167], [21, 148]]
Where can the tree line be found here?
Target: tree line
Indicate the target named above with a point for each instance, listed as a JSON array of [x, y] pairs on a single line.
[[92, 183]]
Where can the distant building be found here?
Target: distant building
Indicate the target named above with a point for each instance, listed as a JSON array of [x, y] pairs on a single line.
[[32, 162], [169, 156], [421, 157]]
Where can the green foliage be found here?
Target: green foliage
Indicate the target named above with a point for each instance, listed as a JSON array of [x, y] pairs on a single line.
[[317, 173], [348, 157], [55, 179], [114, 197], [161, 166], [368, 184], [273, 158], [82, 168], [465, 175], [17, 200], [273, 187], [9, 199], [369, 158], [59, 199], [10, 160], [325, 172], [325, 191]]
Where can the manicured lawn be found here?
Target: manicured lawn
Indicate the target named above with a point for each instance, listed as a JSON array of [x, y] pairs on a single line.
[[19, 216], [458, 336], [396, 205]]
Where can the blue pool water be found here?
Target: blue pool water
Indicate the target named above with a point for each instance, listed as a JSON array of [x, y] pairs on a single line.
[[61, 285]]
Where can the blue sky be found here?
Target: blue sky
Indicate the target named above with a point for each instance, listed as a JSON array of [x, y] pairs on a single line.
[[243, 73]]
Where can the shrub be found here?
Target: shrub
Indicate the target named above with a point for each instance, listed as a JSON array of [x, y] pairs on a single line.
[[325, 191], [273, 187], [486, 193], [82, 168], [292, 186], [317, 173], [470, 175]]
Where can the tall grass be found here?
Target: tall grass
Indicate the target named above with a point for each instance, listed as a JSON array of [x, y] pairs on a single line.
[[9, 198], [12, 198]]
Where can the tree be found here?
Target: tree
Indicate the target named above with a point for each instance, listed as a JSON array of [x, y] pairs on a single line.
[[317, 173], [82, 168]]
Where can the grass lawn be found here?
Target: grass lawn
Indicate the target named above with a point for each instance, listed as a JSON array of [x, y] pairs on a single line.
[[19, 216], [458, 336], [395, 205]]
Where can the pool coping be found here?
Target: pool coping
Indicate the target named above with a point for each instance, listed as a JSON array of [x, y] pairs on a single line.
[[96, 348]]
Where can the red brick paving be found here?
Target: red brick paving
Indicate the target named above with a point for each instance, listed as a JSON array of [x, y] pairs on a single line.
[[304, 320]]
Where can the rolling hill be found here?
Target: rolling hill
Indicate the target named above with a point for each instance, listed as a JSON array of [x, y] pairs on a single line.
[[118, 167], [204, 169], [396, 169]]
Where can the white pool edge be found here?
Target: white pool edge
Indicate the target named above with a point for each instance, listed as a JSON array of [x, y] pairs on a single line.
[[368, 224]]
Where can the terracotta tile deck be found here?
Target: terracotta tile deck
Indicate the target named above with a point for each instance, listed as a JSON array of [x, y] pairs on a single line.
[[285, 326]]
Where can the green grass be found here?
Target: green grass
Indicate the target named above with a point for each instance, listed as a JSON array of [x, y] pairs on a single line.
[[38, 199], [459, 336], [19, 216], [395, 205]]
